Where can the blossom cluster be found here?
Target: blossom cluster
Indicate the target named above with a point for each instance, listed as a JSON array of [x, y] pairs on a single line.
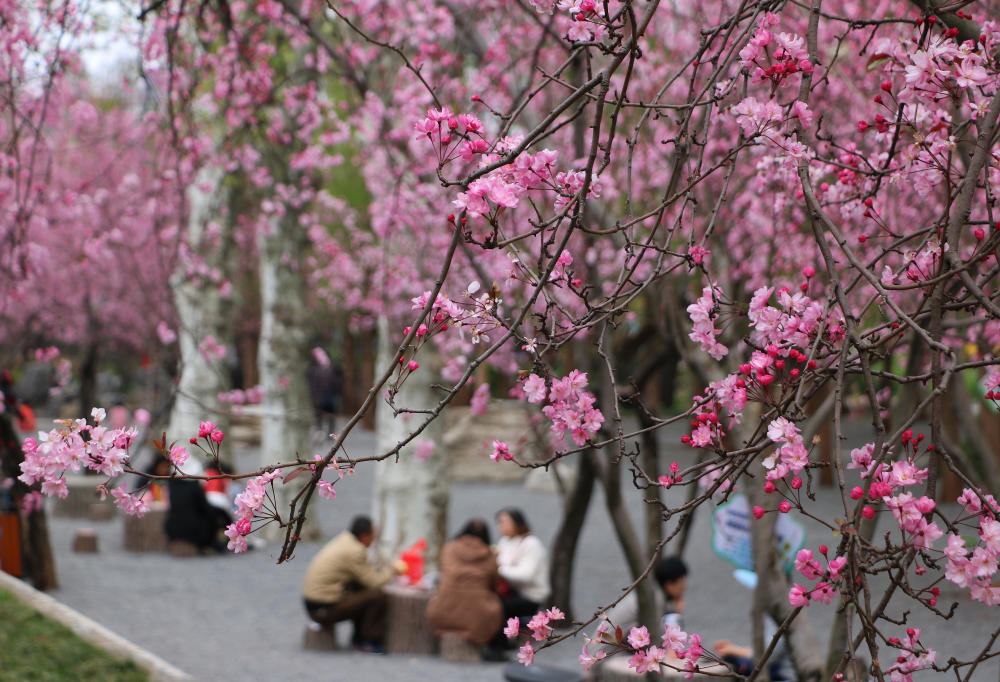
[[75, 445], [913, 656], [570, 408], [974, 567], [677, 649], [249, 504], [812, 569], [238, 396], [774, 58], [462, 136], [541, 628]]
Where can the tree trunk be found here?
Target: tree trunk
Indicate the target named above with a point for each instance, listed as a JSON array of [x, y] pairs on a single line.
[[282, 358], [201, 314], [411, 495], [564, 545], [88, 373]]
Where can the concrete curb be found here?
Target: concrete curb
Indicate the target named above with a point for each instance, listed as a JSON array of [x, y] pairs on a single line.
[[93, 632]]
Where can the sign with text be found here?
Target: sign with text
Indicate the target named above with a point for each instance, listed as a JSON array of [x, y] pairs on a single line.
[[731, 535]]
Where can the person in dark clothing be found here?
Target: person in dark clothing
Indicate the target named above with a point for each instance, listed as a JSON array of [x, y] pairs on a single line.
[[190, 517]]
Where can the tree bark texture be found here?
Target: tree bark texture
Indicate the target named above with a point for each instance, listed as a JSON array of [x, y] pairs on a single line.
[[411, 495], [200, 310], [575, 507], [283, 356]]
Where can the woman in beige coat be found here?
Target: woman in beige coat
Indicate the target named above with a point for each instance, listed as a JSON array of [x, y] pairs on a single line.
[[465, 602]]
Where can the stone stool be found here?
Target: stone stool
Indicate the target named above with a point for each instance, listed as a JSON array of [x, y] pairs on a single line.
[[319, 638], [458, 649], [85, 541]]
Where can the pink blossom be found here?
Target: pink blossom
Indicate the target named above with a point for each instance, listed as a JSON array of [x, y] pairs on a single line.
[[480, 399], [501, 451], [587, 661], [178, 455], [534, 388], [512, 628], [526, 654], [424, 449], [638, 637], [237, 540], [326, 490], [798, 596]]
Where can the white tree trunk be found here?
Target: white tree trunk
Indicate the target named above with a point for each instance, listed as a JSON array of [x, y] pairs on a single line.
[[411, 495], [200, 311], [282, 359]]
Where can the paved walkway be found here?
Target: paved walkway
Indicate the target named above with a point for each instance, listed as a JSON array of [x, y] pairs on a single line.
[[240, 617]]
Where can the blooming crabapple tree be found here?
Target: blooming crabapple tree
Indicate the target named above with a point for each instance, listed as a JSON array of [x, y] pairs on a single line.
[[72, 228], [807, 194]]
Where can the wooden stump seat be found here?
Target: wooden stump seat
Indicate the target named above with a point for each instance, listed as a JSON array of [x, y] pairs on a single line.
[[101, 511], [85, 541], [407, 629], [179, 548], [458, 649], [319, 638], [146, 534]]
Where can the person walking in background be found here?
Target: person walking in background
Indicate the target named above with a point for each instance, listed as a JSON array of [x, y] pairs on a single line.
[[523, 564], [466, 602], [341, 584]]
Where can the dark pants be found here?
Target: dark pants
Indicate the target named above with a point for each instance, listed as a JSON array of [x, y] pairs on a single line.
[[515, 605], [365, 608]]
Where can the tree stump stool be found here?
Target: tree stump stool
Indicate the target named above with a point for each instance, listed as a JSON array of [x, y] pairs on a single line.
[[146, 534], [181, 549], [458, 649], [85, 541], [406, 616], [319, 638], [101, 511]]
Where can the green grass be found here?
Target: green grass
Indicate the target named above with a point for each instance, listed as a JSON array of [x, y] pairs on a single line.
[[32, 647]]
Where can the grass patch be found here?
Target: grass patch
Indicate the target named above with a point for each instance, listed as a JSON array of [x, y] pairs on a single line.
[[32, 647]]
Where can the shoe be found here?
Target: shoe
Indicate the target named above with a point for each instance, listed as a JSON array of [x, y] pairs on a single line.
[[369, 648]]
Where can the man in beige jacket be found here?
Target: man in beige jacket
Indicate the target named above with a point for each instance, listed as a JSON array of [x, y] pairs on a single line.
[[341, 584]]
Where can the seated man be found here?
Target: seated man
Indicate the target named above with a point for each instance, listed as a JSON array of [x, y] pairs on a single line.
[[341, 584], [670, 574]]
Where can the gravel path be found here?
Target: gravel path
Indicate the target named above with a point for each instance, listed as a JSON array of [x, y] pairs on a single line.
[[240, 618]]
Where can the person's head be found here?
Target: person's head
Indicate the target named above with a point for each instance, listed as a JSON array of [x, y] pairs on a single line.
[[363, 530], [671, 574], [476, 528], [160, 466], [511, 522]]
